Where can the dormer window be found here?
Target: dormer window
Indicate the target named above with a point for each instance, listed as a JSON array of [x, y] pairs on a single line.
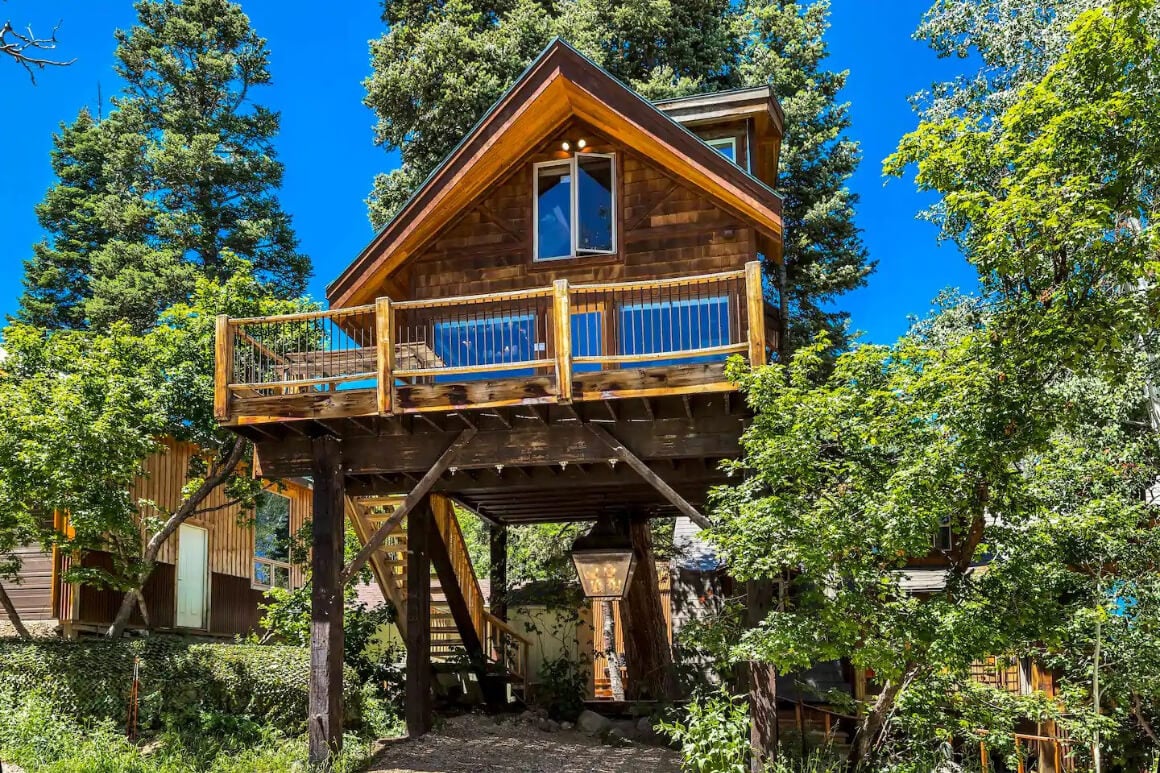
[[726, 146], [574, 204]]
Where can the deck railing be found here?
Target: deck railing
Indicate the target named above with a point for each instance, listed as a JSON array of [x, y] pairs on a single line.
[[547, 336]]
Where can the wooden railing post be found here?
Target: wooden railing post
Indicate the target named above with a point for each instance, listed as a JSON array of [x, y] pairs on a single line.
[[223, 367], [562, 317], [385, 344], [755, 301]]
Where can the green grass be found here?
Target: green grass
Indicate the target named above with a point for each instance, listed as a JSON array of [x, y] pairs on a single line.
[[36, 736]]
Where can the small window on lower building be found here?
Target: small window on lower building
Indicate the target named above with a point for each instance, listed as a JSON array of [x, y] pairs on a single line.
[[271, 541], [726, 146]]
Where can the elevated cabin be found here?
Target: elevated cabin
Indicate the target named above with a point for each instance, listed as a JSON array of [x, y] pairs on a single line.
[[539, 334], [210, 577]]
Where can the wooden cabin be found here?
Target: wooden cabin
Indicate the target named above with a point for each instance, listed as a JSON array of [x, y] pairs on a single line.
[[211, 575], [539, 335]]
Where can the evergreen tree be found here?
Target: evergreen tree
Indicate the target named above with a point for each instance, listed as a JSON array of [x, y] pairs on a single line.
[[180, 176], [442, 65]]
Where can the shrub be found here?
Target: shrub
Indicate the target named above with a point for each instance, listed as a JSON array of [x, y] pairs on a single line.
[[713, 734], [561, 688], [180, 679]]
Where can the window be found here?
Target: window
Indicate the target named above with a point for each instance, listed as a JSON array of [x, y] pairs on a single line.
[[575, 207], [944, 539], [497, 340], [726, 146], [271, 541]]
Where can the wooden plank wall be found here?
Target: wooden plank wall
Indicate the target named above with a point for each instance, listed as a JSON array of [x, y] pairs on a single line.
[[599, 659], [665, 229], [231, 543], [33, 595]]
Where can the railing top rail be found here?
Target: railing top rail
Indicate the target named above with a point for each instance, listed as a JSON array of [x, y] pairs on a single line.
[[646, 284], [500, 624], [305, 315], [509, 295]]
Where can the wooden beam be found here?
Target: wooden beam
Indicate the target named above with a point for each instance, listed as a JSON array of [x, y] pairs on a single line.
[[420, 529], [417, 495], [326, 604], [385, 354], [562, 318], [755, 301], [223, 363], [654, 480], [497, 544]]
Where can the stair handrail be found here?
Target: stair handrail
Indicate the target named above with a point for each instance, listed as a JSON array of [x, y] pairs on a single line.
[[457, 551], [517, 665]]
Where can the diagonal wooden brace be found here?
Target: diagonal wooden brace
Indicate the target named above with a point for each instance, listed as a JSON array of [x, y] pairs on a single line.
[[650, 477], [413, 499]]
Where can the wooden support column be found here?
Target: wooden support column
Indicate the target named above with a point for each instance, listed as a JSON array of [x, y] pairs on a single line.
[[223, 367], [562, 333], [326, 603], [755, 303], [498, 542], [385, 354], [762, 678], [420, 532]]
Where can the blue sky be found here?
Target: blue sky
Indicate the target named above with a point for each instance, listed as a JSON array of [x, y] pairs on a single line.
[[318, 65]]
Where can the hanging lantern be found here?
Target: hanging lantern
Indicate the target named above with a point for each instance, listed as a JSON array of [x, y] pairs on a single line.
[[604, 560]]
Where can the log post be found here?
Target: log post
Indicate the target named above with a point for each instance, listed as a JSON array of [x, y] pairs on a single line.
[[497, 542], [326, 603], [223, 367], [647, 653], [420, 525], [762, 678], [562, 329], [755, 302], [385, 354]]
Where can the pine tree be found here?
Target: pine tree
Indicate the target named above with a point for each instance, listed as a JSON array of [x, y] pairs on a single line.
[[178, 178], [441, 66]]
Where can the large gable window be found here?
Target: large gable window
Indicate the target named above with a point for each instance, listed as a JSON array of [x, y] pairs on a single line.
[[271, 541], [575, 207]]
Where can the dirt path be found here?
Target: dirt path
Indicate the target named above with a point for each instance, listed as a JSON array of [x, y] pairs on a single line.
[[472, 744]]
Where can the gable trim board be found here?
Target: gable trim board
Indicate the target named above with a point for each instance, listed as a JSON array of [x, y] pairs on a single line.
[[560, 85]]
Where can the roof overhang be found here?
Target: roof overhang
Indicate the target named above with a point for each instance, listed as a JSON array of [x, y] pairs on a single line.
[[559, 86]]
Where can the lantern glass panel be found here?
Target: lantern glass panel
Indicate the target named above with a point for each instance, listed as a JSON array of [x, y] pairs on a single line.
[[604, 573]]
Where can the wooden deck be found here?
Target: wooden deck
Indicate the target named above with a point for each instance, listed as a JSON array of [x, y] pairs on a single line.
[[557, 345]]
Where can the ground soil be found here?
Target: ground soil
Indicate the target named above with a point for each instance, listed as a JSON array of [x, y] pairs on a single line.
[[478, 744]]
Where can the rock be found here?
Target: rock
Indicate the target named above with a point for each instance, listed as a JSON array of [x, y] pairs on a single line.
[[592, 723], [615, 737], [566, 726], [543, 724], [528, 716], [553, 726], [644, 726]]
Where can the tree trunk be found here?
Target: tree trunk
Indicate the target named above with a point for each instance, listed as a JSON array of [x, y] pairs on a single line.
[[219, 474], [648, 656], [760, 599], [875, 719], [497, 549], [13, 615], [615, 683]]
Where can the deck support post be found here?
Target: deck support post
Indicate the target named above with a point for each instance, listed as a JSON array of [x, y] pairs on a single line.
[[326, 603], [385, 355], [497, 544], [420, 532], [762, 678]]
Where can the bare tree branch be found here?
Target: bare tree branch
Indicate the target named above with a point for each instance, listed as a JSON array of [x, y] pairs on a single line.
[[26, 48]]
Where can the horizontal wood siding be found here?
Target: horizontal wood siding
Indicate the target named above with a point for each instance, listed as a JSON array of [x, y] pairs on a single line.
[[665, 229], [32, 596], [231, 535]]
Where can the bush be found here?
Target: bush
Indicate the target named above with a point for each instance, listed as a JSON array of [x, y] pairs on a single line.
[[561, 688], [713, 734], [180, 679]]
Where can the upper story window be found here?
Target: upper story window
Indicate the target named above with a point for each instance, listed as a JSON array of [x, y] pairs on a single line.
[[575, 207], [726, 146], [271, 541]]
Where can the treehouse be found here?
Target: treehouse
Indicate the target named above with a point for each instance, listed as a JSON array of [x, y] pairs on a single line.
[[539, 335]]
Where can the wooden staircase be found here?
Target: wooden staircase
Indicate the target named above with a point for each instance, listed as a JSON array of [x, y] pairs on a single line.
[[504, 650]]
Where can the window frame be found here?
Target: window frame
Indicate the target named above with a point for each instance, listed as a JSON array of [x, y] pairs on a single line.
[[719, 142], [573, 164], [270, 563]]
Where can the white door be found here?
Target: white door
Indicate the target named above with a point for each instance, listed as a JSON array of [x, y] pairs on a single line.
[[192, 575]]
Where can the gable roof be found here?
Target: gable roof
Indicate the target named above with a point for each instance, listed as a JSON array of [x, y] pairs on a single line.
[[559, 85]]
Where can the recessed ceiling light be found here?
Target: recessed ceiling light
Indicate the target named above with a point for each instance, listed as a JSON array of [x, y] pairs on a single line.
[[565, 146], [581, 144]]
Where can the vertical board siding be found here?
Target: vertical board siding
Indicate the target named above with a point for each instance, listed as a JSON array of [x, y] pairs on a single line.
[[32, 596], [664, 229], [599, 657], [231, 535]]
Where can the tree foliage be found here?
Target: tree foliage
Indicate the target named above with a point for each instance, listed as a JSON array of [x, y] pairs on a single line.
[[441, 65]]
